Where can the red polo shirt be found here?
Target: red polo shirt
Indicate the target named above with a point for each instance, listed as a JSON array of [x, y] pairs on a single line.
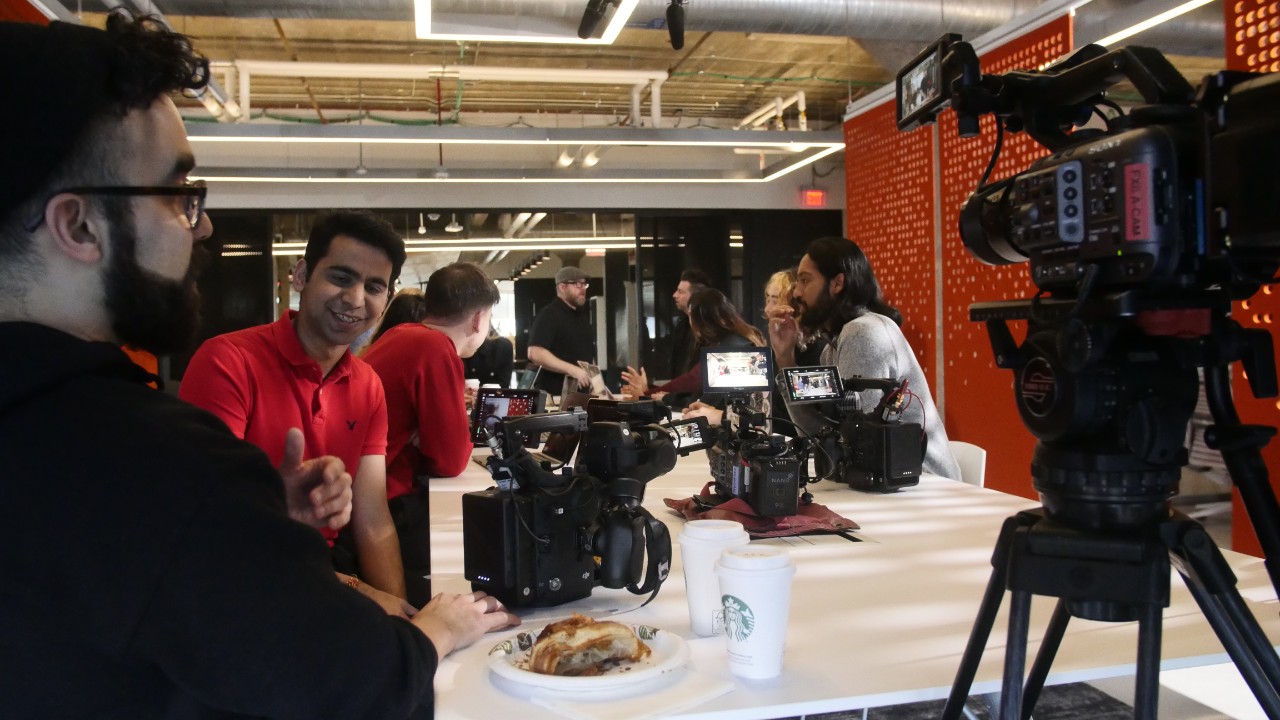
[[429, 431], [261, 382]]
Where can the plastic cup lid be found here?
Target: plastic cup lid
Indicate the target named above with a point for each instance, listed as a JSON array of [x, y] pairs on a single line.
[[713, 530], [755, 557]]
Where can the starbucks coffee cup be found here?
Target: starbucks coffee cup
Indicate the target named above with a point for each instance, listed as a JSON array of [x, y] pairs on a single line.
[[701, 543], [755, 593]]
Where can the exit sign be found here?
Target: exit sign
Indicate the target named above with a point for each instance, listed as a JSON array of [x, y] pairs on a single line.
[[813, 198]]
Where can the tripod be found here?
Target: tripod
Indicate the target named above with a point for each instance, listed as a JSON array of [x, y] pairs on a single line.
[[1123, 574]]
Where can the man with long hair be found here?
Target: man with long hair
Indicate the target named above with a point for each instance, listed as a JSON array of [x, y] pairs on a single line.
[[838, 296], [151, 569]]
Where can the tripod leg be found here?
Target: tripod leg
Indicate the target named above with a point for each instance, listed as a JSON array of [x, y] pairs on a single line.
[[982, 624], [1015, 655], [1244, 653], [1146, 691], [1044, 658]]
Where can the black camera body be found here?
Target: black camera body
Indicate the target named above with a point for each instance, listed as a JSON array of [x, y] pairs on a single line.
[[869, 451], [543, 538], [1139, 236], [758, 468]]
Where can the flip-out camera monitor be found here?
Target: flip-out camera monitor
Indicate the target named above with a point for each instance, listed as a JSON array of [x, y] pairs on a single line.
[[504, 403], [692, 434], [726, 371], [919, 85], [812, 384]]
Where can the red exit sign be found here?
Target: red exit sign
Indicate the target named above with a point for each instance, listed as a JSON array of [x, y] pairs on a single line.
[[813, 198]]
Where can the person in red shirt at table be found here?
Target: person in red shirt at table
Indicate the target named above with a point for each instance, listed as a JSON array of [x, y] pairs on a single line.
[[299, 372], [429, 433]]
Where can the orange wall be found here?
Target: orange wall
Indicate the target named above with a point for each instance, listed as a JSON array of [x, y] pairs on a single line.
[[20, 11], [890, 176], [1253, 43]]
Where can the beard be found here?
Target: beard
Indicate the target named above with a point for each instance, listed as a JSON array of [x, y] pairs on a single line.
[[149, 311], [815, 316]]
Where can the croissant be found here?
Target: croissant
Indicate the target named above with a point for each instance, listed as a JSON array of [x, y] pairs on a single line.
[[581, 646]]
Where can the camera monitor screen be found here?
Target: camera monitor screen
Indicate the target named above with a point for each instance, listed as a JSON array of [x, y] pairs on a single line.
[[692, 434], [725, 370], [504, 403], [919, 85], [811, 384]]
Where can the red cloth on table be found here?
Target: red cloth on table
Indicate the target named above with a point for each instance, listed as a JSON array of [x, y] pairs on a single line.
[[810, 517]]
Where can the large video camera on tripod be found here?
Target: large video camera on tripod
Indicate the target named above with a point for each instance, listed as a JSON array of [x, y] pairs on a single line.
[[542, 537], [873, 450], [1139, 236]]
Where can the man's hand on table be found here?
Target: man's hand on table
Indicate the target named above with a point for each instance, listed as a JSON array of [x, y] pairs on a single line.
[[453, 621]]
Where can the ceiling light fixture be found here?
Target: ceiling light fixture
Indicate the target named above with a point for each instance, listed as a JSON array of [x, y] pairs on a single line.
[[515, 27], [1150, 22], [360, 168], [454, 226], [422, 226]]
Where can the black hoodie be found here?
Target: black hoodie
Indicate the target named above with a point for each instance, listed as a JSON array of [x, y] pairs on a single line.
[[147, 567]]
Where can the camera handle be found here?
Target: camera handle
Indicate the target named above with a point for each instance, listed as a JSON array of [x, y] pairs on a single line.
[[658, 547]]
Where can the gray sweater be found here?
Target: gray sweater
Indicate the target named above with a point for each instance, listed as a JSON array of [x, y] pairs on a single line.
[[872, 346]]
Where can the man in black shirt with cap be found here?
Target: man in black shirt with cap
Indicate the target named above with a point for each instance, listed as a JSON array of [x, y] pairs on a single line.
[[562, 334]]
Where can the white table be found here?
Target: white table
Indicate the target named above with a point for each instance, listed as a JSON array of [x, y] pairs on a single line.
[[874, 623]]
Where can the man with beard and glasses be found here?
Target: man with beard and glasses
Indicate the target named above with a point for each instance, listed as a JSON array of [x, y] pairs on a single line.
[[151, 568], [561, 334], [299, 372], [839, 297]]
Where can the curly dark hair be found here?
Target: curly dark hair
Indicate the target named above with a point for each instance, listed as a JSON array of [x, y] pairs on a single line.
[[70, 85]]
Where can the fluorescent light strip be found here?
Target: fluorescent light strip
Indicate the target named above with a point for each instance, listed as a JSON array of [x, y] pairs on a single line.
[[505, 181], [278, 250], [1151, 22], [497, 242], [789, 145]]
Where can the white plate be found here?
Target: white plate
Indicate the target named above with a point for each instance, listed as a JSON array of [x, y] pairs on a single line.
[[510, 658]]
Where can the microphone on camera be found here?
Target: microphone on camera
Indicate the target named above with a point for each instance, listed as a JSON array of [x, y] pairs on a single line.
[[675, 23]]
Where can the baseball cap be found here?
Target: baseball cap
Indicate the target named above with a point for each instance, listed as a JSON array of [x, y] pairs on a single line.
[[570, 274]]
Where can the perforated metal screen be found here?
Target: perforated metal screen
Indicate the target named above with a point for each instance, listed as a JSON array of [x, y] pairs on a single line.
[[892, 200], [888, 175], [1253, 43]]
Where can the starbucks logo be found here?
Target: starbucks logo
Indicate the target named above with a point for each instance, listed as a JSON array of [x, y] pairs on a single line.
[[739, 621]]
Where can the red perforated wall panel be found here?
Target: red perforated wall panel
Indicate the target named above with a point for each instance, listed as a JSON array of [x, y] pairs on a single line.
[[21, 11], [1253, 43], [891, 202], [887, 173], [980, 406]]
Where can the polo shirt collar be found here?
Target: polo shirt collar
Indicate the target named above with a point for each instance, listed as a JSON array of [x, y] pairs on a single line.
[[287, 343]]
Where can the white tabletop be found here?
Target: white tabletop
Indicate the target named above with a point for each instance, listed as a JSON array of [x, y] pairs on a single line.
[[874, 623]]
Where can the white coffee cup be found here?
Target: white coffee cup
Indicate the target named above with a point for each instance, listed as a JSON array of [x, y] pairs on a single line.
[[472, 384], [755, 590], [701, 543]]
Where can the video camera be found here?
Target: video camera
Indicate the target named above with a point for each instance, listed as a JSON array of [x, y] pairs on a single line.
[[542, 537], [748, 462], [870, 451], [1139, 236]]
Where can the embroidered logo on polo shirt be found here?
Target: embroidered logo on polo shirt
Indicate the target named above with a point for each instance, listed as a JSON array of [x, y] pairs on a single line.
[[351, 424]]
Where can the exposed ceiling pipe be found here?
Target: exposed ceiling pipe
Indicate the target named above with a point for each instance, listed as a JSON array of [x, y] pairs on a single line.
[[762, 115], [533, 221], [516, 224], [638, 79], [903, 21]]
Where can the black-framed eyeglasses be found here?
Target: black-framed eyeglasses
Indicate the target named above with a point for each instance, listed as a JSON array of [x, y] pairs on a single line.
[[579, 283], [194, 191]]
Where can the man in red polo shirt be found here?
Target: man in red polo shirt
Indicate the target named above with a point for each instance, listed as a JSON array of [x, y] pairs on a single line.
[[429, 433], [299, 372]]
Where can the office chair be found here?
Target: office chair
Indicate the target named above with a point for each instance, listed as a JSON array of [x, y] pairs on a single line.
[[972, 461]]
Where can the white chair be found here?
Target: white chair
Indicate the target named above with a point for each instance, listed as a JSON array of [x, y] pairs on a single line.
[[972, 461]]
